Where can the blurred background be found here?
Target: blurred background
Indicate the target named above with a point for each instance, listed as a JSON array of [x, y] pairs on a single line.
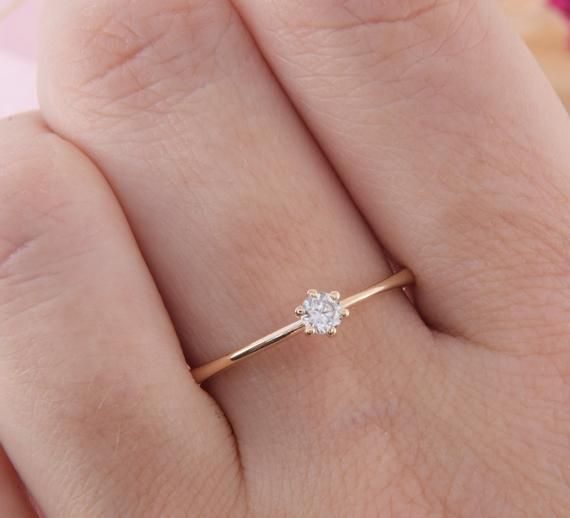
[[544, 25]]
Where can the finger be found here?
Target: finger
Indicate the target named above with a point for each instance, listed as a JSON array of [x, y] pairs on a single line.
[[97, 410], [451, 142], [14, 501], [236, 210], [241, 191]]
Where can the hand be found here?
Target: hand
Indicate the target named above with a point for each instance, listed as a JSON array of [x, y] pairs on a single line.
[[200, 166]]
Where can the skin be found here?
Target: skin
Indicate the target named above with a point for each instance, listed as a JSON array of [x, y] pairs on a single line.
[[196, 166]]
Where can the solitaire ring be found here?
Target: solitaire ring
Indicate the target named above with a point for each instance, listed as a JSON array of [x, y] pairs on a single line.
[[320, 314]]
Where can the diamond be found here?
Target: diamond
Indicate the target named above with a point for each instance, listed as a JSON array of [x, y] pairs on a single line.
[[321, 312]]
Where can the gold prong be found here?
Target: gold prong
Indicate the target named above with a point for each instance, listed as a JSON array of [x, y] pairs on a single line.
[[300, 311], [309, 331], [332, 331], [312, 293], [345, 312], [335, 295]]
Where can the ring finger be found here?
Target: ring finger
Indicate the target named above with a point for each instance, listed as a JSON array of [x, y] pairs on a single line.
[[235, 208]]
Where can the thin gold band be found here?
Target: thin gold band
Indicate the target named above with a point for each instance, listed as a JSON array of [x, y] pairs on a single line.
[[399, 280]]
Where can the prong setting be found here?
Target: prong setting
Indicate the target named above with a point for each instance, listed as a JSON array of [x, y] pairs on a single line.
[[321, 312], [345, 312]]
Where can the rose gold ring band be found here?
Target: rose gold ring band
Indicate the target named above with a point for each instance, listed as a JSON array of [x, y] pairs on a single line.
[[320, 313]]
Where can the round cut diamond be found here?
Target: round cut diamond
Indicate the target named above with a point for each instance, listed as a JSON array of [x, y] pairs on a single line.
[[322, 312]]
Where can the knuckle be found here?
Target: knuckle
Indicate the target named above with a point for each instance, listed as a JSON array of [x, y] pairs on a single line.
[[45, 232], [381, 45], [38, 222], [25, 205], [132, 54], [349, 14], [390, 31]]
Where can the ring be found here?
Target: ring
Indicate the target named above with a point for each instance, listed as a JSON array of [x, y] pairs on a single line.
[[320, 314]]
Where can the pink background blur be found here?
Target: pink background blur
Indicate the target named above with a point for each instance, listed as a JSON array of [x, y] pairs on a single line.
[[18, 42]]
